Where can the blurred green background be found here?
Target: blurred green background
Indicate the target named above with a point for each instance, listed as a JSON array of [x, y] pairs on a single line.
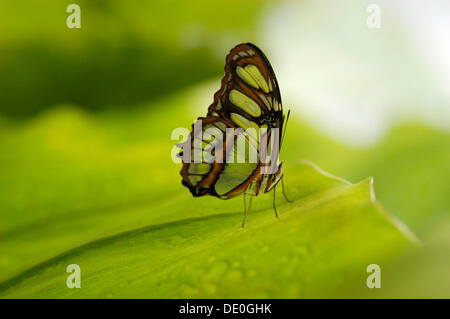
[[86, 117]]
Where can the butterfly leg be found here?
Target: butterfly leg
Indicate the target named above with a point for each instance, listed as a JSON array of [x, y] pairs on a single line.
[[284, 194], [274, 206], [245, 212], [250, 204]]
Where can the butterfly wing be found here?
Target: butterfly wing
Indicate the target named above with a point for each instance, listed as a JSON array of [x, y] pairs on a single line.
[[249, 98]]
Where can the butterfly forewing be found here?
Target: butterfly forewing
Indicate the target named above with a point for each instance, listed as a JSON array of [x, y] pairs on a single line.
[[249, 95]]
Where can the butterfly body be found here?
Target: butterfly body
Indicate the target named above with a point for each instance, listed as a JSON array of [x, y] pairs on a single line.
[[248, 102]]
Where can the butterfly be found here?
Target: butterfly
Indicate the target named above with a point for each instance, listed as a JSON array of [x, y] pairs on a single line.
[[249, 103]]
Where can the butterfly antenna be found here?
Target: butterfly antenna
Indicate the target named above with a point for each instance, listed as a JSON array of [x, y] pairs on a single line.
[[245, 212], [284, 194], [274, 206], [284, 130]]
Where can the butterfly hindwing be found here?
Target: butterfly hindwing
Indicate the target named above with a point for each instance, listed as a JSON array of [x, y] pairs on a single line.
[[204, 173]]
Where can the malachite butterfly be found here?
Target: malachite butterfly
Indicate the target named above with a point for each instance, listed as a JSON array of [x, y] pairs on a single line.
[[234, 149]]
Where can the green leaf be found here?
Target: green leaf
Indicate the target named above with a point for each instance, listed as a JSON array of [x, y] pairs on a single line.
[[410, 167], [320, 243], [101, 191]]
